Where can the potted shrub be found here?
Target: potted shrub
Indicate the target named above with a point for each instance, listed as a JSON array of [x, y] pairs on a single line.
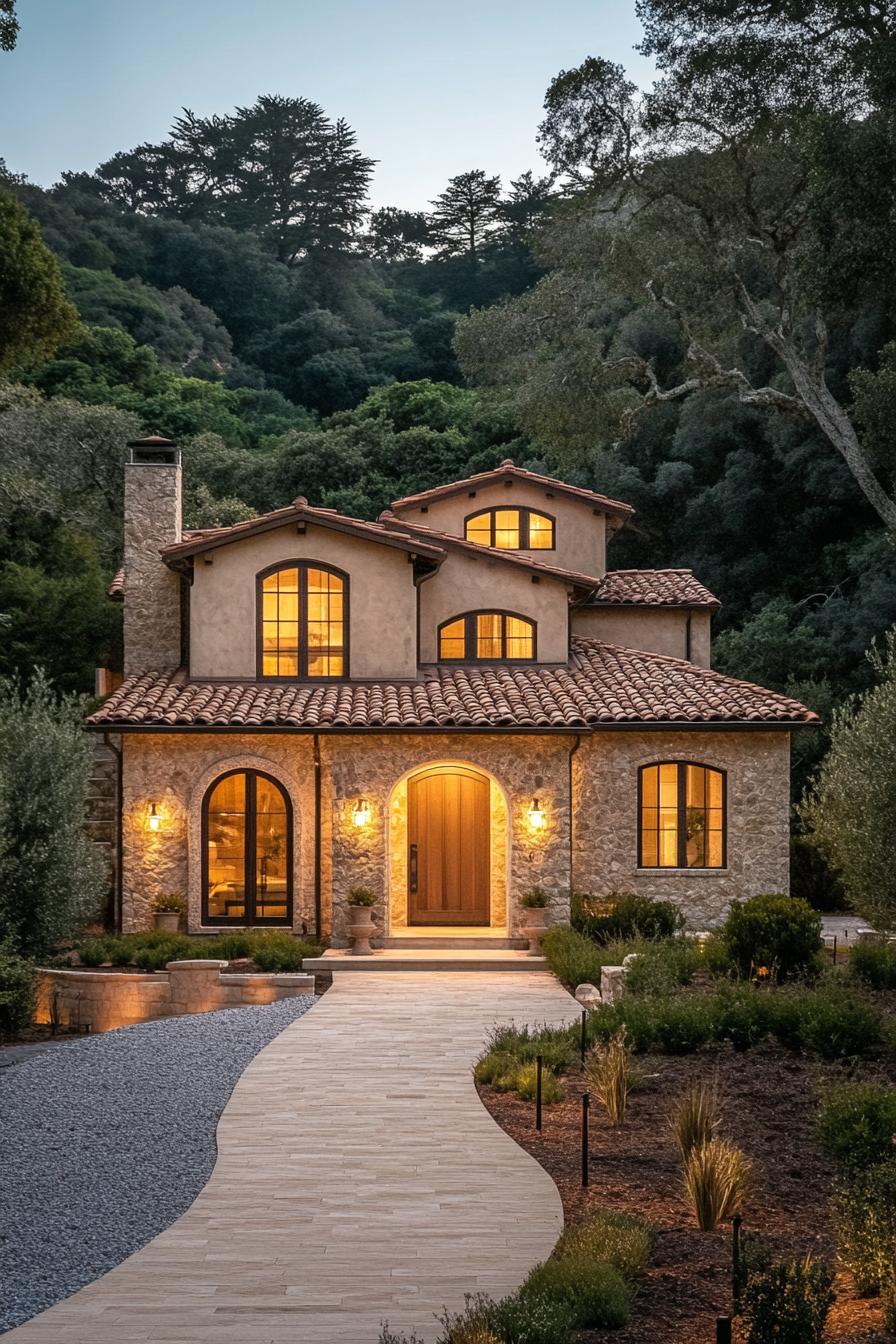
[[535, 904], [361, 926], [167, 911]]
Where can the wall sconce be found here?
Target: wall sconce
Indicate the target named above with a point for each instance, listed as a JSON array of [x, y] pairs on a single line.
[[361, 812], [536, 815], [153, 821]]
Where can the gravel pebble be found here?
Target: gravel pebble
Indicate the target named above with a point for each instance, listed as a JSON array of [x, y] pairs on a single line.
[[105, 1141]]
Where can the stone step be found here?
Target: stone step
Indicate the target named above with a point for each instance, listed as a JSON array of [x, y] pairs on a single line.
[[467, 942], [426, 959]]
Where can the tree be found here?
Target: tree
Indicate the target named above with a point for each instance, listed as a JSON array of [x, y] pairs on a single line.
[[9, 25], [280, 168], [710, 225], [51, 876], [524, 208], [396, 235], [849, 811], [36, 318], [465, 215]]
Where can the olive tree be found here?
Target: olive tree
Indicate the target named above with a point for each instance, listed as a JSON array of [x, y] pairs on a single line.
[[849, 811], [51, 877]]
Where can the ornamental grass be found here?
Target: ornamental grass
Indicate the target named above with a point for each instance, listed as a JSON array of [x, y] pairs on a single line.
[[717, 1176]]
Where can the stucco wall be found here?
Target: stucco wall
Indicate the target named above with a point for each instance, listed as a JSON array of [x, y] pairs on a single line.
[[579, 533], [468, 583], [152, 518], [605, 844], [382, 601], [651, 628]]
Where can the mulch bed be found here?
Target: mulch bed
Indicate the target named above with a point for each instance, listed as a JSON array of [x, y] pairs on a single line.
[[770, 1103]]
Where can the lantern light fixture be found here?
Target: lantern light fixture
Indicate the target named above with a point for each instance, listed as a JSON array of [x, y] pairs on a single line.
[[361, 813], [536, 815], [154, 822]]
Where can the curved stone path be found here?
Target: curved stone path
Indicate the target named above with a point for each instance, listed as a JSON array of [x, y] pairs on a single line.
[[358, 1180]]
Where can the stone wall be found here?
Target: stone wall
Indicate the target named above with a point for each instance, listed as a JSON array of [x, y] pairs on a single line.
[[152, 518], [103, 1000], [605, 842]]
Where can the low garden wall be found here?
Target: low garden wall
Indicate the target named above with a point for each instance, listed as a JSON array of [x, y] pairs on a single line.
[[102, 1000]]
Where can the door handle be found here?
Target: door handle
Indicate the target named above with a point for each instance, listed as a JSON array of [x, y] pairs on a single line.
[[412, 868]]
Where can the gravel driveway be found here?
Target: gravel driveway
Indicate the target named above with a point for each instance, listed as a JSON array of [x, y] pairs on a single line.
[[107, 1140]]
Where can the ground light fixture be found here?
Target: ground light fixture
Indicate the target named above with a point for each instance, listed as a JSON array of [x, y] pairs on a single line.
[[361, 812], [536, 815]]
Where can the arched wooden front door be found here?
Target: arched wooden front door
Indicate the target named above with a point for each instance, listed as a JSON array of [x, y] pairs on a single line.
[[448, 847]]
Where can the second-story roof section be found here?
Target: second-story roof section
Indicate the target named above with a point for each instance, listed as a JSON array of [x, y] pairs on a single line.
[[201, 540], [584, 584], [509, 472], [653, 588]]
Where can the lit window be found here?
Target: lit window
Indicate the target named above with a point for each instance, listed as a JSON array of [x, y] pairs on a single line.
[[247, 851], [511, 529], [682, 816], [303, 622], [486, 637]]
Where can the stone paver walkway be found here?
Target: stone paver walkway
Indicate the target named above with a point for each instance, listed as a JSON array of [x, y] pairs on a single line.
[[358, 1179]]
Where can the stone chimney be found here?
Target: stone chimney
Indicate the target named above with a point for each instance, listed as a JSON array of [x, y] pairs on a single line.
[[152, 519]]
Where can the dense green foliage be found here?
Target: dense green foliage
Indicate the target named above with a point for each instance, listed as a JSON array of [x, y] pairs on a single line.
[[851, 807], [18, 991], [270, 949], [624, 914], [36, 317], [51, 876], [865, 1213], [857, 1123], [874, 964], [788, 1301], [773, 934]]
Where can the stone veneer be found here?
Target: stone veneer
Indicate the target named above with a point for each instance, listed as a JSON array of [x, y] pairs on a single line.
[[175, 770], [103, 1000], [152, 518], [605, 844]]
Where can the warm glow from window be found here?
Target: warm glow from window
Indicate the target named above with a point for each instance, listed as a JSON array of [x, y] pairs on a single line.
[[511, 530], [246, 836], [487, 636], [682, 816], [303, 623]]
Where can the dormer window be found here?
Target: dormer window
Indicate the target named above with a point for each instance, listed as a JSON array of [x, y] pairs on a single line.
[[302, 622], [511, 529], [487, 637]]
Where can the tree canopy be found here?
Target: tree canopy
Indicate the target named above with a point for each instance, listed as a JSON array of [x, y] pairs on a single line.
[[36, 317]]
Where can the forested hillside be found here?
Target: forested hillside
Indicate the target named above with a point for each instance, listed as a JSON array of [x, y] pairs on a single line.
[[692, 310]]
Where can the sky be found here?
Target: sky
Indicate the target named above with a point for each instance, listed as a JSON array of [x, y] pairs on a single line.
[[431, 89]]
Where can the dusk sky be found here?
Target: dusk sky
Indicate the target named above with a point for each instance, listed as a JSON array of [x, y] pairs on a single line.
[[431, 89]]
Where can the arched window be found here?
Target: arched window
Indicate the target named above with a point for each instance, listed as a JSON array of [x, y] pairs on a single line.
[[302, 621], [511, 529], [486, 637], [246, 851], [682, 810]]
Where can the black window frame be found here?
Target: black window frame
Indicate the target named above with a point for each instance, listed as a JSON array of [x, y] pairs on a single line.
[[525, 512], [681, 801], [303, 567], [248, 919], [470, 637]]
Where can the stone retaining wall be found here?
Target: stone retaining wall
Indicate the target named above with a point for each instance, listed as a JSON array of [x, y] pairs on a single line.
[[102, 1000]]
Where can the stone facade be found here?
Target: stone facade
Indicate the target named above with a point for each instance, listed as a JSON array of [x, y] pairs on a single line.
[[605, 844], [152, 518], [174, 771], [104, 1000]]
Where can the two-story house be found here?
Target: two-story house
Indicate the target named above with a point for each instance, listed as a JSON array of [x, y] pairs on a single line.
[[452, 705]]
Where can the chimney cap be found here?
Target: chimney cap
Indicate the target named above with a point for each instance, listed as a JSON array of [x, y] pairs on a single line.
[[153, 451], [151, 441]]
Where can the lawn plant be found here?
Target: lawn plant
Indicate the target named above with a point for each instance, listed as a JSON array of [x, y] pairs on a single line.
[[787, 1301], [716, 1180], [610, 1076], [695, 1117]]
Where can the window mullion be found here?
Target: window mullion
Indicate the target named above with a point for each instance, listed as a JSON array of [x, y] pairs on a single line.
[[471, 643], [249, 862], [303, 622], [524, 529], [682, 784]]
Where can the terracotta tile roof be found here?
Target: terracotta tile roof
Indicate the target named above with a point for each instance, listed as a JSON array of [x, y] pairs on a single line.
[[116, 587], [509, 471], [601, 687], [205, 539], [451, 543], [652, 588]]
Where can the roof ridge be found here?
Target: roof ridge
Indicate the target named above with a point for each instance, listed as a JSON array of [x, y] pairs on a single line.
[[508, 466]]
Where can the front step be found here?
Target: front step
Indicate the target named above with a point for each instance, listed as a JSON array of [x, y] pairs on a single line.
[[469, 943], [426, 959]]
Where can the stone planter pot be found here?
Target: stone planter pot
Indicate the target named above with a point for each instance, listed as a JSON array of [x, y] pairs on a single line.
[[361, 929], [536, 923], [168, 920]]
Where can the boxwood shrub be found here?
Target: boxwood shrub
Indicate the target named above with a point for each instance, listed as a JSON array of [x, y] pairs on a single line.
[[778, 933]]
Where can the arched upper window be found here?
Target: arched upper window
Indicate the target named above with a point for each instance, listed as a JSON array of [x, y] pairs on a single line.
[[682, 816], [511, 529], [486, 636], [302, 621], [246, 851]]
